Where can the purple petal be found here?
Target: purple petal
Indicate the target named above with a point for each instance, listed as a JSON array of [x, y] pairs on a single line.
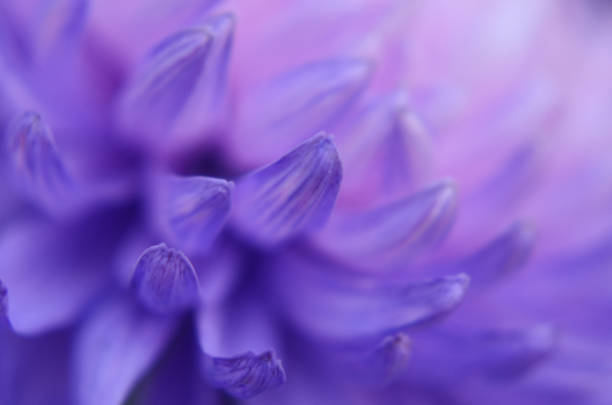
[[229, 336], [392, 235], [246, 375], [114, 348], [511, 353], [161, 87], [334, 303], [164, 280], [292, 196], [38, 165], [502, 256], [50, 274], [3, 300], [290, 108], [58, 22], [385, 151], [190, 211]]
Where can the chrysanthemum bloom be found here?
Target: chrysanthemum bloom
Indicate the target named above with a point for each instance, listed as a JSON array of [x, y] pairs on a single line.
[[305, 202]]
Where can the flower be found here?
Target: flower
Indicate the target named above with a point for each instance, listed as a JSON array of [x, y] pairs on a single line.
[[304, 202]]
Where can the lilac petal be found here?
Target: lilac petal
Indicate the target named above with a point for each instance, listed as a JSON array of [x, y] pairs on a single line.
[[164, 280], [229, 336], [392, 235], [333, 303], [511, 353], [246, 375], [36, 159], [502, 256], [59, 22], [291, 197], [383, 364], [50, 274], [385, 151], [160, 88], [290, 108], [114, 348], [190, 211]]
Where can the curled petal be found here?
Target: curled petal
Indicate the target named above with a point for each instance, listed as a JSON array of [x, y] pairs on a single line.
[[333, 303], [246, 375], [115, 346], [191, 211], [230, 336], [385, 150], [164, 280], [502, 256], [292, 196], [36, 160], [390, 236], [511, 353], [158, 91], [287, 110]]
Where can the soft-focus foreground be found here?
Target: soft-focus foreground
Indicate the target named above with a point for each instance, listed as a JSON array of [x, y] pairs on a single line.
[[304, 202]]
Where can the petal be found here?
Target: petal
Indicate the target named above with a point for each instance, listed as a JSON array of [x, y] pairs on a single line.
[[502, 256], [292, 196], [331, 302], [58, 23], [114, 348], [511, 353], [385, 150], [281, 114], [51, 273], [164, 280], [3, 300], [390, 236], [190, 211], [229, 336], [36, 160], [246, 375], [155, 96]]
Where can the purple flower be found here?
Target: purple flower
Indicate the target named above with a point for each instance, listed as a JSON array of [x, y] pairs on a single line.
[[304, 202]]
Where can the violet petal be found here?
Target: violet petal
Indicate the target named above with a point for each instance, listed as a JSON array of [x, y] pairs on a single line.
[[230, 336], [155, 96], [502, 256], [333, 303], [290, 108], [114, 348], [164, 280], [390, 236], [291, 197], [190, 211], [36, 160], [48, 283]]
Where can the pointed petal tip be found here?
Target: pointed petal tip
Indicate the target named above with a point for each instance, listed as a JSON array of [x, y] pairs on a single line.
[[292, 196], [390, 357], [247, 375], [191, 211], [164, 280]]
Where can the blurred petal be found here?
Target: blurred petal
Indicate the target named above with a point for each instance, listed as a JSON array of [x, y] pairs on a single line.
[[3, 300], [34, 370], [333, 303], [190, 211], [114, 348], [502, 256], [284, 112], [164, 280], [229, 337], [390, 236], [291, 197], [159, 89], [51, 273], [37, 162], [385, 150]]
